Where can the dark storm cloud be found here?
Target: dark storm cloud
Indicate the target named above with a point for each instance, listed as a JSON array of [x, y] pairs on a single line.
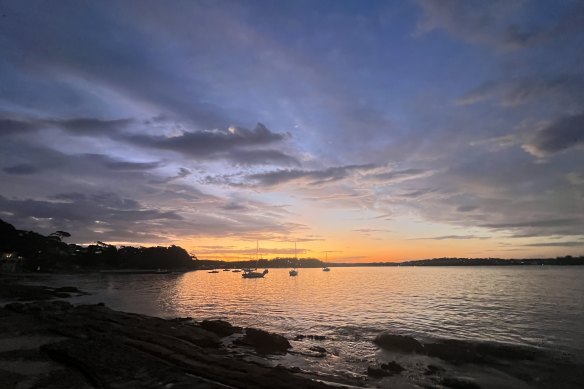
[[236, 144], [565, 133]]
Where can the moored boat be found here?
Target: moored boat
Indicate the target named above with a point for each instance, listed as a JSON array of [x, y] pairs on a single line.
[[251, 273]]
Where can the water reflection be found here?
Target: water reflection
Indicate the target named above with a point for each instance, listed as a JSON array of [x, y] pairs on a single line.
[[526, 305]]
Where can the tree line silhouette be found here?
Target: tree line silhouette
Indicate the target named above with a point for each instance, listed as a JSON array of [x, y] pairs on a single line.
[[51, 253]]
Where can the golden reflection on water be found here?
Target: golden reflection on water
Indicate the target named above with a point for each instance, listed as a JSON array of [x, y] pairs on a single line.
[[519, 305]]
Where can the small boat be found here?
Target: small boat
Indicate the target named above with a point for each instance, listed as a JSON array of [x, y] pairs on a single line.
[[213, 271], [294, 272], [250, 273], [226, 269], [254, 273], [236, 271], [325, 261]]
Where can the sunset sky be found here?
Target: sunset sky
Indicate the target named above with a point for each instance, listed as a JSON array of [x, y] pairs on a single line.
[[376, 131]]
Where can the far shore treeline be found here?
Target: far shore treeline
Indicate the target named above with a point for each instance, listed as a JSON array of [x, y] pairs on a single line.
[[35, 252]]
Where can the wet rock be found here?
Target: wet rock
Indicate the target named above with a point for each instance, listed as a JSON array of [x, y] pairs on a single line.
[[377, 372], [452, 351], [400, 343], [311, 337], [220, 327], [459, 383], [67, 289], [393, 367], [433, 370], [182, 319], [385, 370], [61, 305], [459, 352], [264, 342], [15, 307], [318, 349], [506, 351]]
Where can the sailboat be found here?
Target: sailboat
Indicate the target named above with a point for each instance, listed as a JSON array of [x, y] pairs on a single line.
[[326, 268], [254, 273], [294, 272]]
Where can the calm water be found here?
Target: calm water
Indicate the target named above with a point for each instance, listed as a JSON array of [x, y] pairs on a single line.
[[537, 306]]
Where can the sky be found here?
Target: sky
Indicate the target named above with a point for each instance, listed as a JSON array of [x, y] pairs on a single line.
[[362, 131]]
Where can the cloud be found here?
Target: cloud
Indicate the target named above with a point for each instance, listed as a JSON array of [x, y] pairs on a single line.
[[557, 244], [495, 23], [473, 21], [261, 157], [89, 217], [116, 164], [394, 176], [13, 126], [542, 223], [565, 133], [308, 177], [21, 169], [467, 208], [90, 126], [568, 89], [121, 56], [43, 159], [74, 126], [182, 173], [236, 144], [369, 231], [453, 237]]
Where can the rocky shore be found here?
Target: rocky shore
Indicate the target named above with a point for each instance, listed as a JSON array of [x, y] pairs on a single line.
[[48, 343]]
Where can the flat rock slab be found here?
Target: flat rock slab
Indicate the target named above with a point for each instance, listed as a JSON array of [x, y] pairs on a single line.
[[94, 346]]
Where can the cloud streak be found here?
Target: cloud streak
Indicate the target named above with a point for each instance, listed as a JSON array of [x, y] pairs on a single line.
[[565, 133]]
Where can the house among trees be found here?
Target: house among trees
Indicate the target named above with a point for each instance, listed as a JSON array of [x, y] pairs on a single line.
[[10, 263]]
